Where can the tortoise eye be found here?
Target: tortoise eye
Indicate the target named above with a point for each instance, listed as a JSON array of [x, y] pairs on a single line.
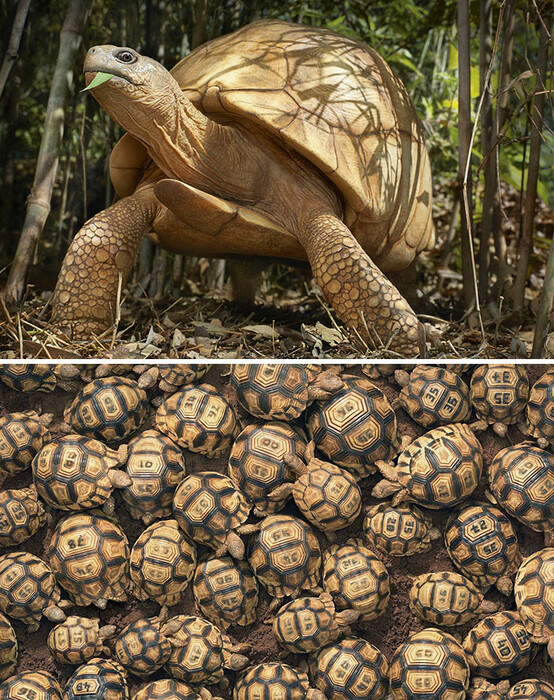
[[125, 57]]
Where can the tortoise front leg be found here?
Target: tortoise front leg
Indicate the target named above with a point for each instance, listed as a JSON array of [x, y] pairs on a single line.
[[84, 300], [356, 288]]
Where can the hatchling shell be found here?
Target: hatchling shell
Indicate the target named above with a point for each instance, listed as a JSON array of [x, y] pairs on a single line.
[[351, 669], [531, 689], [162, 563], [73, 472], [534, 594], [77, 640], [110, 409], [521, 478], [89, 556], [173, 377], [226, 591], [8, 648], [257, 465], [356, 579], [31, 685], [435, 396], [21, 437], [499, 393], [430, 664], [167, 689], [200, 419], [285, 555], [27, 588], [141, 648], [498, 646], [28, 377], [156, 466], [482, 543], [399, 531], [540, 409], [482, 689], [354, 428], [208, 506], [99, 678], [21, 515], [444, 598], [274, 681]]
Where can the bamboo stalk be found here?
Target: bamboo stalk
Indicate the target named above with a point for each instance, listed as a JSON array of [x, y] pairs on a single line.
[[12, 52]]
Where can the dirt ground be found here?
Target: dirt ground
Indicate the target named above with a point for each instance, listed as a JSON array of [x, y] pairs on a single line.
[[387, 632]]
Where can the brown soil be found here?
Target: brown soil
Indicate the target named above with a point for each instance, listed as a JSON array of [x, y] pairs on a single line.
[[386, 632]]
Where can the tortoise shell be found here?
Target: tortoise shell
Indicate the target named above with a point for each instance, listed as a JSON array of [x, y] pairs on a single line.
[[499, 392], [534, 594], [28, 377], [370, 113], [498, 646], [99, 678], [381, 371], [89, 556], [21, 436], [32, 685], [306, 624], [444, 598], [356, 579], [8, 648], [328, 496], [162, 563], [207, 506], [442, 467], [285, 555], [273, 391], [430, 663], [531, 689], [27, 587], [72, 472], [156, 466], [257, 466], [354, 428], [173, 377], [141, 648], [399, 531], [435, 396], [226, 591], [540, 409], [198, 418], [76, 640], [111, 409], [482, 543], [274, 680], [350, 669], [482, 689], [167, 689], [521, 478], [21, 515]]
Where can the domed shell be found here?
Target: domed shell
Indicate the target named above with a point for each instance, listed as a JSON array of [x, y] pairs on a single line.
[[400, 531], [173, 377], [156, 467], [8, 648], [21, 515], [257, 465], [99, 678], [226, 591], [444, 598], [21, 437], [35, 685], [162, 563], [306, 624], [141, 648], [350, 669], [521, 478], [89, 555], [435, 396], [167, 689], [540, 409], [534, 594], [111, 409], [354, 428], [498, 646], [356, 579], [28, 377], [285, 555], [445, 674], [201, 657], [200, 419], [274, 680], [499, 392], [77, 640], [531, 689]]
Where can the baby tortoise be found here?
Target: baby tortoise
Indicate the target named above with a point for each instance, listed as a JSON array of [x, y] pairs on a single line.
[[141, 648], [482, 689], [8, 648], [98, 678], [275, 680], [400, 531], [31, 685], [171, 378], [21, 515], [27, 378], [539, 418], [531, 689], [78, 639], [21, 436], [498, 393], [170, 689]]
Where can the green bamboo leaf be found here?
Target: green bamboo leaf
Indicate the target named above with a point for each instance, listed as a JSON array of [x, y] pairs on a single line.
[[98, 79]]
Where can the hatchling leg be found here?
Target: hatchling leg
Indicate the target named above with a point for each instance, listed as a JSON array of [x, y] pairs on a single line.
[[356, 288], [102, 253]]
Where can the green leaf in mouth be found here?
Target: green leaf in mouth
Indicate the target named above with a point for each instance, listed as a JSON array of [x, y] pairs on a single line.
[[98, 79]]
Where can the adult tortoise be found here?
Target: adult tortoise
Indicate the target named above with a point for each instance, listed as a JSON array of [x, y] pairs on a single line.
[[276, 141]]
